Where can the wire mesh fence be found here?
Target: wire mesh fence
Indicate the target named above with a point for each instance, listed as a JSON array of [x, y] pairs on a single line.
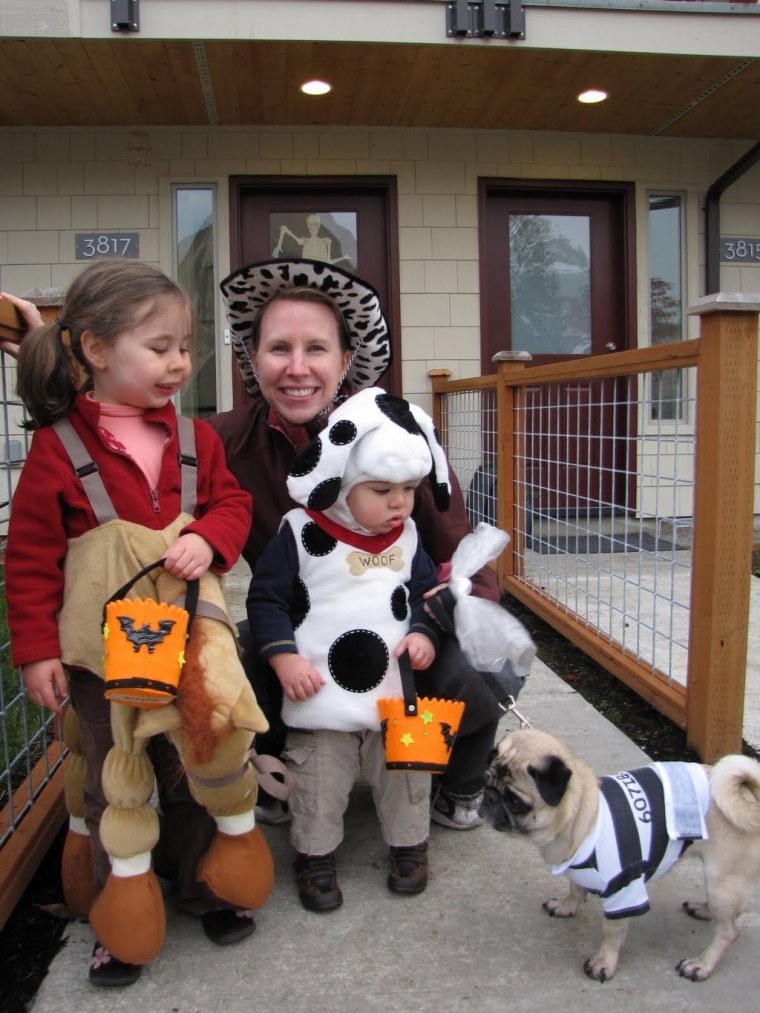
[[602, 501], [626, 483], [605, 488], [29, 735]]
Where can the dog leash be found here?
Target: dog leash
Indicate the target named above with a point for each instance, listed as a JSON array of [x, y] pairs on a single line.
[[512, 709]]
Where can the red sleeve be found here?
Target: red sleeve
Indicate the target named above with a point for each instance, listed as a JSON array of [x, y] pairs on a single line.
[[36, 549], [224, 509]]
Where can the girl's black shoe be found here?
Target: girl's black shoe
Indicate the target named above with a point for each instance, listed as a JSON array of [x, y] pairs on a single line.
[[106, 970]]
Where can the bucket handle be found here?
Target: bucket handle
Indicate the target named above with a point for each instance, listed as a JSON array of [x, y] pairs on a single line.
[[191, 597], [408, 688]]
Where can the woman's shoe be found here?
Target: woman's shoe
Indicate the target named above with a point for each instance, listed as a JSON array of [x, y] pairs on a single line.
[[227, 926], [458, 812], [107, 970]]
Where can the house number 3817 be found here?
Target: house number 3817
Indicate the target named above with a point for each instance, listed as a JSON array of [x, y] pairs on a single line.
[[91, 245]]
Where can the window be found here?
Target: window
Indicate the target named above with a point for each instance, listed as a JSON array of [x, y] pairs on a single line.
[[550, 283], [666, 297], [193, 229]]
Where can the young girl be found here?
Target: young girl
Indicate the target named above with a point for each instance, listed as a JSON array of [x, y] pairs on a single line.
[[110, 365]]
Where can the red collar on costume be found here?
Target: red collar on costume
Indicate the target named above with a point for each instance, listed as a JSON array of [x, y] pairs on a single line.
[[367, 543]]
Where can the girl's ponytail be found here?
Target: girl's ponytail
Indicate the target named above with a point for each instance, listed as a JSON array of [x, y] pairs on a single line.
[[109, 297], [48, 378]]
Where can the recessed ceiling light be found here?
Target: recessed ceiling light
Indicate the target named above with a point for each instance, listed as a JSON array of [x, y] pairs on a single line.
[[592, 95], [316, 87]]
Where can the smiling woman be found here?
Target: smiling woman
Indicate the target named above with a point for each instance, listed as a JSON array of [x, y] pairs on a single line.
[[300, 358], [299, 365]]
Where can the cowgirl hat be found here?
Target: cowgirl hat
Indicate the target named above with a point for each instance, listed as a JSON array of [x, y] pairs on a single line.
[[372, 436], [246, 290]]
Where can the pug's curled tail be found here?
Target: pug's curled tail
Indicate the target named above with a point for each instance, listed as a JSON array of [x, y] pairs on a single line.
[[735, 789]]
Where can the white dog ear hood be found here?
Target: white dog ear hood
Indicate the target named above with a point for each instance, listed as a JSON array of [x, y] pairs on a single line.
[[373, 436]]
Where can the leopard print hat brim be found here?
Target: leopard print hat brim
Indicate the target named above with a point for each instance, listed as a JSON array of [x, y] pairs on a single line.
[[246, 290]]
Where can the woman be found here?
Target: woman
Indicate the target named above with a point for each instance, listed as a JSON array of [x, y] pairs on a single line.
[[307, 335]]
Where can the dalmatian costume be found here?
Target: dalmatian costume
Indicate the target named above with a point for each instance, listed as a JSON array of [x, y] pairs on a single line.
[[351, 596]]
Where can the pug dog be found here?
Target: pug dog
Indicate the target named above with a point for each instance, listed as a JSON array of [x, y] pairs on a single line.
[[611, 835]]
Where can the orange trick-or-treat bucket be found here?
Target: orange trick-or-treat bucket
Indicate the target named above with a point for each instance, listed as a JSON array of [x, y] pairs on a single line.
[[418, 733], [422, 741], [144, 647]]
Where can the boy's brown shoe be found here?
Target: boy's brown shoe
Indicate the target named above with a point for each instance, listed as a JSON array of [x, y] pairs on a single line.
[[317, 882], [409, 869]]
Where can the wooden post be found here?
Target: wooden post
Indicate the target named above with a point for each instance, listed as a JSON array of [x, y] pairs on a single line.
[[723, 511], [507, 460], [438, 378]]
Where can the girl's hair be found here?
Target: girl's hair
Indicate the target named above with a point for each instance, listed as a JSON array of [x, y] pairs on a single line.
[[107, 298], [304, 293]]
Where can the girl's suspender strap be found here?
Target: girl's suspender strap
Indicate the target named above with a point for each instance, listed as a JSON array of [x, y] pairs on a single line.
[[188, 463], [88, 472]]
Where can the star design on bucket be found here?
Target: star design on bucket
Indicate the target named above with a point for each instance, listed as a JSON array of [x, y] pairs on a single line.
[[426, 718], [407, 739]]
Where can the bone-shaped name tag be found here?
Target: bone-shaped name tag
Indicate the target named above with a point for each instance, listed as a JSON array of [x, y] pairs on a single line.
[[360, 562]]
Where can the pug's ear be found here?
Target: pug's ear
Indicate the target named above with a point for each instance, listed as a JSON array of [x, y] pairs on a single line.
[[551, 776]]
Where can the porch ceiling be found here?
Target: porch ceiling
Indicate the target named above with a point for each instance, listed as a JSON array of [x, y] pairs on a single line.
[[151, 82]]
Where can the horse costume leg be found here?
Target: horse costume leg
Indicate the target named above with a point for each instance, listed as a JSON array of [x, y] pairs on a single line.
[[212, 727], [128, 916], [76, 861]]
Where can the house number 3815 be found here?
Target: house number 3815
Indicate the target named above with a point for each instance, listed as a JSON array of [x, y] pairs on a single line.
[[91, 245], [739, 250]]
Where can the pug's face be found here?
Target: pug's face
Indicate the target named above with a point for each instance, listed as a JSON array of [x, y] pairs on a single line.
[[525, 781]]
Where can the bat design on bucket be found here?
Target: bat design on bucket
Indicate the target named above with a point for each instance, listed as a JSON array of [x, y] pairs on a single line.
[[144, 635]]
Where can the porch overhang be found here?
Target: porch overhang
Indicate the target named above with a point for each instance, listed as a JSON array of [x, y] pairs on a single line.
[[672, 69]]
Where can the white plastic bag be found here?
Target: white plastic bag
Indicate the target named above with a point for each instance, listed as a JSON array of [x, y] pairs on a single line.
[[488, 635]]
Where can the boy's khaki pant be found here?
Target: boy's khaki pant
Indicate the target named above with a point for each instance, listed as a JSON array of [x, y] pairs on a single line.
[[325, 765]]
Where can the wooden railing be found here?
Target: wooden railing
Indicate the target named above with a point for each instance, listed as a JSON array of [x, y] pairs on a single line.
[[711, 703]]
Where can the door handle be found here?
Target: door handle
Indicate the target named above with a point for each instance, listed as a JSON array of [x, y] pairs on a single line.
[[611, 346]]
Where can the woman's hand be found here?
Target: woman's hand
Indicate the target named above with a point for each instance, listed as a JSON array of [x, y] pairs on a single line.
[[298, 677], [421, 650], [32, 318], [439, 604], [189, 557], [46, 683]]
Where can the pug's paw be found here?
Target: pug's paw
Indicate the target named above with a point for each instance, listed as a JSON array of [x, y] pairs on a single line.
[[694, 969], [697, 910], [561, 907], [600, 967]]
